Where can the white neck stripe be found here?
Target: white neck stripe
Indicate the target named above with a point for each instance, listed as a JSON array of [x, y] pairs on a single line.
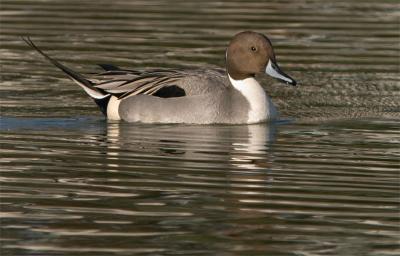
[[261, 107]]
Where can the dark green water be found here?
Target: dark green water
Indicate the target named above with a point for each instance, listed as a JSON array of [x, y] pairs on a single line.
[[323, 181]]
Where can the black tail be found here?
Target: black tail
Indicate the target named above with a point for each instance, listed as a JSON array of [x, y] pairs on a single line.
[[100, 97]]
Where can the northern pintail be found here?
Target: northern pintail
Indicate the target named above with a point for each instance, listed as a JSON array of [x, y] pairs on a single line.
[[200, 96]]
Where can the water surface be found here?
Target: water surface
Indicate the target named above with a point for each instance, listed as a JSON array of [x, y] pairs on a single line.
[[322, 181]]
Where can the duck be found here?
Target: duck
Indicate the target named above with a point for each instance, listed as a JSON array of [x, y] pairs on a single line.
[[192, 96]]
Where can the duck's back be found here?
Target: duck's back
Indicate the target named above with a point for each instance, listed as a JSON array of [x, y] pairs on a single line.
[[164, 83], [203, 81]]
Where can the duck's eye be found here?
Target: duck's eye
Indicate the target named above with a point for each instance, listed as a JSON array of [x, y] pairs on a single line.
[[253, 48]]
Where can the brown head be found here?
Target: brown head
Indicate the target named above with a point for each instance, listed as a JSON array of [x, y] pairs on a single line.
[[250, 53]]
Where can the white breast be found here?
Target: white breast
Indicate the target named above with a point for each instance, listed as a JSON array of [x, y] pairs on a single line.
[[261, 106]]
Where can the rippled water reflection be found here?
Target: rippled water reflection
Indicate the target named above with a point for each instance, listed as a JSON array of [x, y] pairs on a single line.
[[81, 185], [73, 184]]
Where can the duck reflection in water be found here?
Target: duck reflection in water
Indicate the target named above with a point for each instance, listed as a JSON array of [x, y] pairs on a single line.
[[238, 151], [207, 171]]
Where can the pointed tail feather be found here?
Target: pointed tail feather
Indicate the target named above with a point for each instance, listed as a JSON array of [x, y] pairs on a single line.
[[100, 97], [75, 76]]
